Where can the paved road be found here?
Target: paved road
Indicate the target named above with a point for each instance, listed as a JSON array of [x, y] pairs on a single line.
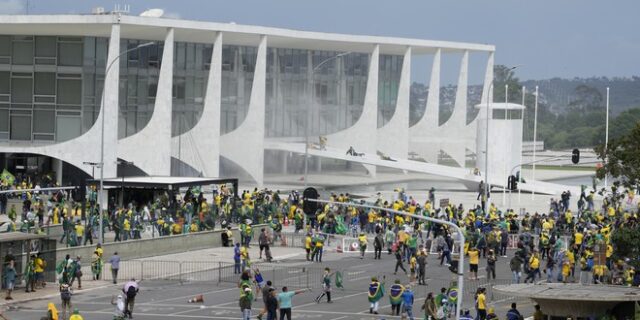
[[161, 300]]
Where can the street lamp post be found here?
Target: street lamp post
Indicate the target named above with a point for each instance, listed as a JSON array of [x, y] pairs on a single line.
[[535, 137], [458, 230], [102, 115], [606, 135], [308, 118]]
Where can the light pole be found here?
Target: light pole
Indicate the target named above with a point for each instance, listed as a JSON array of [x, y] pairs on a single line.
[[308, 118], [103, 111], [461, 238], [606, 135], [535, 137]]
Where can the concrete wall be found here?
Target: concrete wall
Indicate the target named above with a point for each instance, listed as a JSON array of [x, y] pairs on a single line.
[[133, 249]]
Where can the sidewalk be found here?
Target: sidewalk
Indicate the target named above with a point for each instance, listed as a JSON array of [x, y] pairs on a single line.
[[51, 291]]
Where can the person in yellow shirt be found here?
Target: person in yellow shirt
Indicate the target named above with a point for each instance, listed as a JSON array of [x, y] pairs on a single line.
[[534, 268], [474, 256], [40, 264], [76, 315], [307, 246], [481, 302], [577, 241], [566, 270], [79, 232]]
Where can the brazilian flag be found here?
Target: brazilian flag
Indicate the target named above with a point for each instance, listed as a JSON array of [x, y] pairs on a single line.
[[376, 291], [7, 178], [395, 294], [453, 294], [339, 280]]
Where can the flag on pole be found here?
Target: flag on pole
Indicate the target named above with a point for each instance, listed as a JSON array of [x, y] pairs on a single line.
[[339, 280], [7, 178]]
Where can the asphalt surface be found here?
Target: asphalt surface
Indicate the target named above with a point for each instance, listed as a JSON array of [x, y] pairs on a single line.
[[160, 299]]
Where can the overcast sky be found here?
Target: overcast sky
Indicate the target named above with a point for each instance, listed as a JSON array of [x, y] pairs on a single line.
[[549, 38]]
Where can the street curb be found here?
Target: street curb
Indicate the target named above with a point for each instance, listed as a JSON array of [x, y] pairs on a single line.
[[8, 303]]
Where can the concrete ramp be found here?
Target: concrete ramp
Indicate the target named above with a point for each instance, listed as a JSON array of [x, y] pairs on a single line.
[[463, 174]]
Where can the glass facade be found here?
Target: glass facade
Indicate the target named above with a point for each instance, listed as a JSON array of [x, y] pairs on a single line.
[[389, 70], [191, 65], [238, 67], [138, 85], [339, 88], [49, 86]]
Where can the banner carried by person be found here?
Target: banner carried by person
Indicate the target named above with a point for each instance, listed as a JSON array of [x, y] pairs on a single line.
[[7, 178]]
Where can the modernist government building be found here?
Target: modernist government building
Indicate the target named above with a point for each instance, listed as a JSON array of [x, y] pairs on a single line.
[[193, 98]]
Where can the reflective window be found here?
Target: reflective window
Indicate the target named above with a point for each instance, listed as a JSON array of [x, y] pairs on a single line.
[[22, 50], [138, 86], [238, 65], [45, 83], [69, 91], [44, 121], [389, 70], [21, 88], [70, 52], [338, 82], [52, 105], [20, 126]]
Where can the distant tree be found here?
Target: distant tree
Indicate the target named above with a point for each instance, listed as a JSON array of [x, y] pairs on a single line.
[[621, 158], [624, 123], [502, 76], [625, 241], [588, 98]]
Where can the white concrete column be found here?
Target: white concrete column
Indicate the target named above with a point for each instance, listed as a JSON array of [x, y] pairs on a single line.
[[359, 134], [245, 145], [423, 132], [471, 129], [454, 128], [57, 167], [150, 148], [201, 145], [393, 137], [487, 88], [111, 106]]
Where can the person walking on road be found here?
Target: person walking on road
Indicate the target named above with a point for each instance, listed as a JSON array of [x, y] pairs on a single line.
[[284, 300], [362, 242], [271, 304], [407, 302], [474, 256], [395, 297], [376, 291], [130, 290], [65, 297], [491, 265], [246, 298], [422, 267], [430, 308], [326, 286], [378, 243], [399, 263], [114, 261]]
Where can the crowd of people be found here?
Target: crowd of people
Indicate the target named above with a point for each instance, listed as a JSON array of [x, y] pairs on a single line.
[[564, 245]]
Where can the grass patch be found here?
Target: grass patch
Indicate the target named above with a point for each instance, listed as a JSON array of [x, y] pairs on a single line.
[[560, 168]]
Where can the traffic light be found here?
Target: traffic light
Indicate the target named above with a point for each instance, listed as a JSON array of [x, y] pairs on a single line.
[[512, 183], [575, 156], [310, 207]]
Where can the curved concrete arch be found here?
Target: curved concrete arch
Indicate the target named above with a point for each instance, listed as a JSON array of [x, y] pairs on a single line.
[[84, 148], [201, 143], [393, 138], [359, 134], [245, 145], [150, 148]]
